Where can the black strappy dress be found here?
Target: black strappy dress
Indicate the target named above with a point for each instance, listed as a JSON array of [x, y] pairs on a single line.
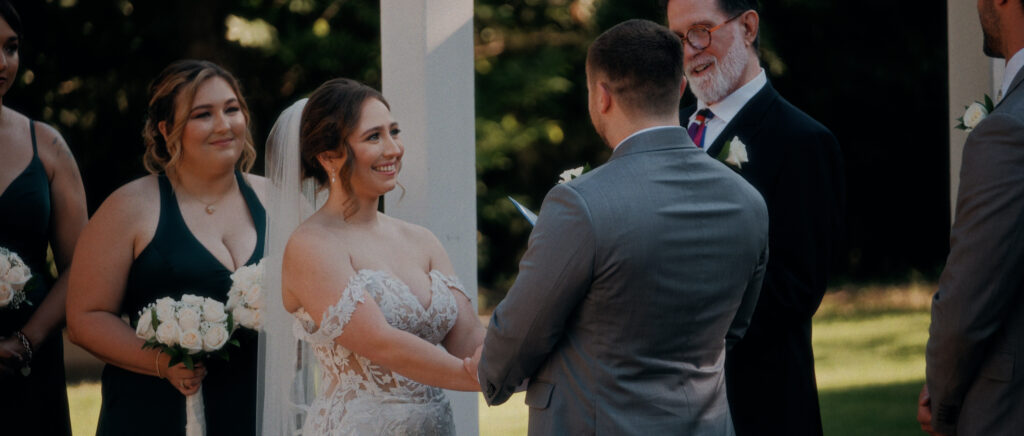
[[173, 264], [37, 404]]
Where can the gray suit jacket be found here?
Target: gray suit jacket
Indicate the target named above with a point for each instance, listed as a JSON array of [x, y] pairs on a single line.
[[977, 331], [636, 275]]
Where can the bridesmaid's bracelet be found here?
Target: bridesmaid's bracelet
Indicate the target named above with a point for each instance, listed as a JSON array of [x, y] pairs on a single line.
[[27, 345], [157, 364]]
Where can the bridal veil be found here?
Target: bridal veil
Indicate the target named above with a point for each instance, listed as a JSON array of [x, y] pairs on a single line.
[[287, 368]]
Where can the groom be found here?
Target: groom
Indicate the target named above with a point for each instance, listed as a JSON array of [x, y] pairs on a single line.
[[639, 273]]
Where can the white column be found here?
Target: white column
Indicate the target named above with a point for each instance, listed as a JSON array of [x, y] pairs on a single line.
[[971, 75], [427, 60]]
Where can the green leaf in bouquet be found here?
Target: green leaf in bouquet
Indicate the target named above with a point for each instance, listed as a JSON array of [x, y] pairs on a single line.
[[988, 104], [231, 321], [223, 354], [154, 319], [176, 356], [189, 362], [235, 342]]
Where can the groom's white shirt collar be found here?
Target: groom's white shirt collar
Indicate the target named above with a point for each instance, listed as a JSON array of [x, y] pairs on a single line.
[[1013, 67], [641, 131], [727, 109]]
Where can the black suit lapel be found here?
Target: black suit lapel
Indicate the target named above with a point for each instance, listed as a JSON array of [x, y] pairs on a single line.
[[747, 120]]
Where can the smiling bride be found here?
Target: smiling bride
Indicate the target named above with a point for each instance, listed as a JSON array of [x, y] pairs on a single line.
[[371, 294]]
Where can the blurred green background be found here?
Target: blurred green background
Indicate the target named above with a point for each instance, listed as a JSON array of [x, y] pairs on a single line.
[[872, 71]]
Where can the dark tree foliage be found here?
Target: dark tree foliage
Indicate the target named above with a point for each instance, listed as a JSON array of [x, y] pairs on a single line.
[[872, 75]]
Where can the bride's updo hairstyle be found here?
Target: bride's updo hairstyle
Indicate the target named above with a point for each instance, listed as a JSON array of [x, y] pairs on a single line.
[[170, 100], [331, 115]]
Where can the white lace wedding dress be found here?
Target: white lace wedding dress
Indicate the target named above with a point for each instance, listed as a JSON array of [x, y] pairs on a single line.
[[359, 397]]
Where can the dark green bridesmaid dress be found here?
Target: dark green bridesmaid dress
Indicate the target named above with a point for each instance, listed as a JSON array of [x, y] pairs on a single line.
[[37, 404], [173, 264]]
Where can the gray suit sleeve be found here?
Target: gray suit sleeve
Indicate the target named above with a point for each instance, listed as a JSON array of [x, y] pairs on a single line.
[[741, 322], [983, 271], [554, 277]]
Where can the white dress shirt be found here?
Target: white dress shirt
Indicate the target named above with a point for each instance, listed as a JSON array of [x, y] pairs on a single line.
[[727, 109], [1013, 66]]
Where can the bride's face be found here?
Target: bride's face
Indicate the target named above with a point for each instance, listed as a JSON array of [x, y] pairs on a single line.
[[377, 150]]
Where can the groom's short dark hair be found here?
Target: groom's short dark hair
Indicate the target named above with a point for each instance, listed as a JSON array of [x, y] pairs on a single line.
[[642, 63]]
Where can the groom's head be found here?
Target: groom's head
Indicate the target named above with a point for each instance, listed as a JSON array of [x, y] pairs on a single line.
[[634, 72], [719, 44], [1002, 23]]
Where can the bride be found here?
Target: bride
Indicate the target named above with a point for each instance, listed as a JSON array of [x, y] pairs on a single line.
[[371, 294]]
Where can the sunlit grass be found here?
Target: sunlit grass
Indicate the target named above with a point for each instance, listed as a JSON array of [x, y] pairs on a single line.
[[869, 357], [84, 399]]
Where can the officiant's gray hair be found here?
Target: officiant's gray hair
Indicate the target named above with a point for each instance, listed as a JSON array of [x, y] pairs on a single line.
[[642, 63], [732, 8]]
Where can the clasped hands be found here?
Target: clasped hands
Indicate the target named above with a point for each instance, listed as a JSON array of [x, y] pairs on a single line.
[[924, 412], [11, 358], [187, 381], [472, 363]]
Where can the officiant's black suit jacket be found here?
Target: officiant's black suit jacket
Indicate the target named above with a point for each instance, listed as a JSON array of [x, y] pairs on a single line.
[[795, 163]]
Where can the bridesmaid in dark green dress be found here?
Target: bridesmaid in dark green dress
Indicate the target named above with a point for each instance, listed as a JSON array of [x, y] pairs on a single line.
[[182, 230], [41, 202]]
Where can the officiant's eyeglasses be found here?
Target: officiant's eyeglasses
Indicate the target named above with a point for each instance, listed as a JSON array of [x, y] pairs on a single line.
[[699, 36]]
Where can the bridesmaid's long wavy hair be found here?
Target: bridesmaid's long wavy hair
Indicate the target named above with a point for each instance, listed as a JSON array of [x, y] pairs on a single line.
[[331, 115], [180, 80]]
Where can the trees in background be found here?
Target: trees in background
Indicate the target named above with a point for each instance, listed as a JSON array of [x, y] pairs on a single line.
[[872, 74]]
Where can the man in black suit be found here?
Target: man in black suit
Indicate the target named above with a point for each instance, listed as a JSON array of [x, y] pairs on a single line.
[[796, 164]]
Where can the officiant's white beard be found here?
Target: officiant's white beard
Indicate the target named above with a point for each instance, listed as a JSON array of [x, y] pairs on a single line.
[[723, 79]]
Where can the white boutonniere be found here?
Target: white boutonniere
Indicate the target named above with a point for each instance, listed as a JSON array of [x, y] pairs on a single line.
[[570, 174], [974, 113], [734, 153]]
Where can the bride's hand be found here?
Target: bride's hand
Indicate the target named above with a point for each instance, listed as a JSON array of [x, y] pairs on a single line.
[[472, 363], [187, 381]]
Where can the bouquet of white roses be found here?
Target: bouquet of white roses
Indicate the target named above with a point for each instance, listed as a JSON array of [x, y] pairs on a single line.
[[14, 275], [245, 298], [189, 330]]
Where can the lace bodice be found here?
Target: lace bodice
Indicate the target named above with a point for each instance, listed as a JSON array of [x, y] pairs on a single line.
[[360, 397]]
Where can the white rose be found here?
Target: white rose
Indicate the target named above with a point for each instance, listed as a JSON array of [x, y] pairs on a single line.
[[191, 340], [214, 337], [145, 328], [247, 318], [234, 298], [168, 332], [17, 276], [6, 294], [5, 264], [737, 153], [254, 298], [213, 311], [189, 318], [165, 309], [568, 175], [974, 114], [193, 300]]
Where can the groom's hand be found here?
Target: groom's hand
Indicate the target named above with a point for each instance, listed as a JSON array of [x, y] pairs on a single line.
[[472, 363]]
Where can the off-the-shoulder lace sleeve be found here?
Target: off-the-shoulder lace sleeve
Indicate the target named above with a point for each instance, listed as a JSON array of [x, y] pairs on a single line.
[[336, 316], [451, 282]]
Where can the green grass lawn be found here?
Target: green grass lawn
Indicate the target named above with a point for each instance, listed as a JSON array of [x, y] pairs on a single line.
[[869, 355]]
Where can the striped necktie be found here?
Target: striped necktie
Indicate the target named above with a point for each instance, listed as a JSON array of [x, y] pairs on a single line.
[[699, 125]]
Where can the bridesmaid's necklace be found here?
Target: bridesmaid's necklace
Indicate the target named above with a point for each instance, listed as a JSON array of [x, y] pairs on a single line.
[[210, 207]]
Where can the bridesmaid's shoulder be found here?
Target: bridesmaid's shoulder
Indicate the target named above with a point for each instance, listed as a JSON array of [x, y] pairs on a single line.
[[259, 184], [135, 200]]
